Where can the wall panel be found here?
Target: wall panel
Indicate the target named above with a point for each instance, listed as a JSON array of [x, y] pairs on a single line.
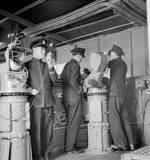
[[132, 41], [139, 51], [91, 45]]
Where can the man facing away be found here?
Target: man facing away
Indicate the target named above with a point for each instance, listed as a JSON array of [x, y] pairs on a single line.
[[118, 116], [41, 76], [72, 97]]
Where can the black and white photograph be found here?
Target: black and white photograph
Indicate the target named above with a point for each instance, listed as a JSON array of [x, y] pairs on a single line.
[[75, 80]]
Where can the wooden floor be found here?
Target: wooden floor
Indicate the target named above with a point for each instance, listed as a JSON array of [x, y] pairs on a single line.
[[92, 156]]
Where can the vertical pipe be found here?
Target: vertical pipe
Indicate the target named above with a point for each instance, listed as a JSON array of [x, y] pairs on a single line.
[[148, 30], [146, 52], [131, 52]]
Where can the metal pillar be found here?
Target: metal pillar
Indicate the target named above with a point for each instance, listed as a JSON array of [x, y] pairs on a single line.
[[148, 29]]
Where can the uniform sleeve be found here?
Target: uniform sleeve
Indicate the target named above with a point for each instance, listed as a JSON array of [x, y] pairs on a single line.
[[75, 77], [28, 82]]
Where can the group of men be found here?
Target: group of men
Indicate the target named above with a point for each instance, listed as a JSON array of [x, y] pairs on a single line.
[[41, 76]]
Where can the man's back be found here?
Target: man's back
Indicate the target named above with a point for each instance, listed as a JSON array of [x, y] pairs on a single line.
[[117, 77], [71, 78]]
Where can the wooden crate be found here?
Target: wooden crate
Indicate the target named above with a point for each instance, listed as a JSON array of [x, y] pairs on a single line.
[[139, 154]]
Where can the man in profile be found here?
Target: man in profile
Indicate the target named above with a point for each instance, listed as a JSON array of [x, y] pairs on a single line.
[[72, 98], [118, 116]]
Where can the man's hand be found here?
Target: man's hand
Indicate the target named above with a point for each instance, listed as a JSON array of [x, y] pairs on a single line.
[[33, 91]]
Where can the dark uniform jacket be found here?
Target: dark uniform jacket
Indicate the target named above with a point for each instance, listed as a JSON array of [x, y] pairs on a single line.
[[40, 78], [118, 70], [72, 81]]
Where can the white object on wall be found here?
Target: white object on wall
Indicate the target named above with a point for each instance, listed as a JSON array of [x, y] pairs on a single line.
[[95, 61]]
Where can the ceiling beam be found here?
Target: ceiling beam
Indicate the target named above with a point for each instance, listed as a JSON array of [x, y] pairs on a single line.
[[104, 31], [82, 13], [139, 7], [88, 25], [16, 18], [130, 14], [87, 11], [56, 36], [32, 5]]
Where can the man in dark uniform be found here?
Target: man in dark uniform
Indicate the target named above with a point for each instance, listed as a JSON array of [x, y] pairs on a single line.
[[73, 97], [118, 116], [41, 76]]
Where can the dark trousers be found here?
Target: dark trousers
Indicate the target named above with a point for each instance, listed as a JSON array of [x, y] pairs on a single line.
[[74, 114], [41, 131], [119, 122]]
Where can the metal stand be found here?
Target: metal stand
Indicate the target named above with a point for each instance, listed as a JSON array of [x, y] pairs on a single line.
[[14, 117], [98, 127]]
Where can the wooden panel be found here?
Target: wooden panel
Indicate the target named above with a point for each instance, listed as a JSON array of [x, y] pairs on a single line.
[[139, 51], [64, 54], [132, 42]]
